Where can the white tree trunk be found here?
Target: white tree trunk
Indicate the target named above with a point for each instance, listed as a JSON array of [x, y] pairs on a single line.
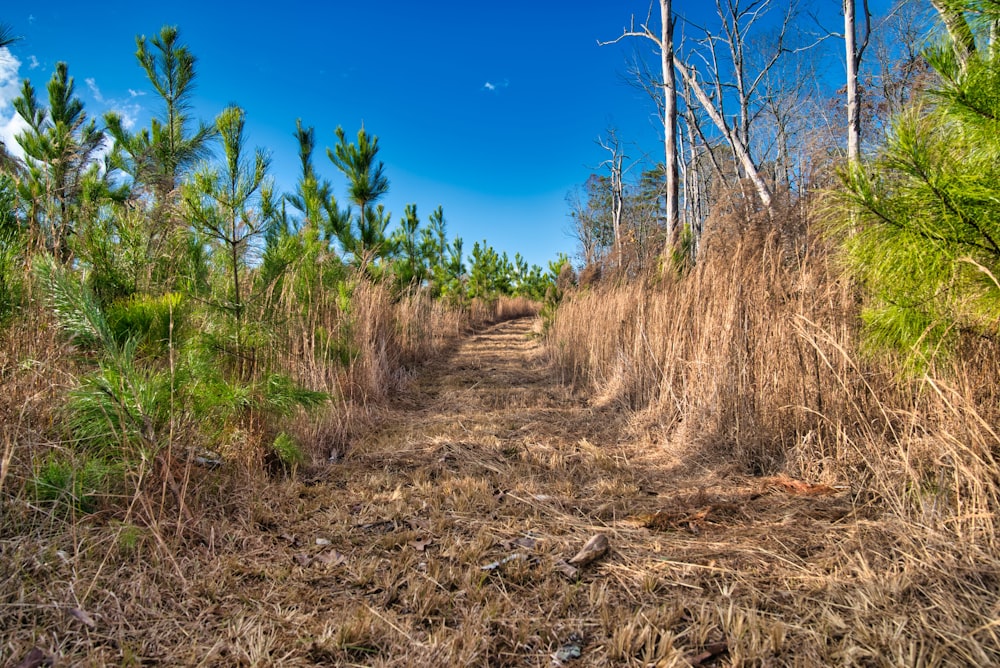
[[853, 61], [669, 120]]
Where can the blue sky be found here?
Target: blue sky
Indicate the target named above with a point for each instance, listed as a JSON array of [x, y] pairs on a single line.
[[488, 109]]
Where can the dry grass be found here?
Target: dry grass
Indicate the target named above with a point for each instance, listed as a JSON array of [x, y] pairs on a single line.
[[748, 366], [378, 560], [144, 557], [788, 508]]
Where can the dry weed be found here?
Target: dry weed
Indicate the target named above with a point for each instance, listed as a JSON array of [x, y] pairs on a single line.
[[440, 534], [748, 365]]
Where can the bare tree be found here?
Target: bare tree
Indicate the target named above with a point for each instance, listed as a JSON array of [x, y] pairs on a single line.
[[736, 20], [733, 73], [897, 42], [613, 145], [701, 169], [740, 149], [590, 222], [669, 119], [664, 42]]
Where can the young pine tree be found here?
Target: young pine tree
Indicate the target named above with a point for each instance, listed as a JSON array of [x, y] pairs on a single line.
[[61, 145], [922, 233], [367, 183], [221, 204]]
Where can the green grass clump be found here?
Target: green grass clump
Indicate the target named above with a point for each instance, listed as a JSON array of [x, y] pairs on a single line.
[[288, 452], [72, 483]]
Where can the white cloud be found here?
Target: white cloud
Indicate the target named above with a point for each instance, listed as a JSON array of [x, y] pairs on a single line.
[[94, 90], [9, 80], [33, 63], [127, 109], [11, 122], [129, 113], [495, 87]]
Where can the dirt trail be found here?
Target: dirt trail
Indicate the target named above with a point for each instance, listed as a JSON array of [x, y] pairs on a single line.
[[440, 538]]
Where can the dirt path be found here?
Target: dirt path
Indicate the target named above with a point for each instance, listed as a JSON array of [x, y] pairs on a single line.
[[440, 538]]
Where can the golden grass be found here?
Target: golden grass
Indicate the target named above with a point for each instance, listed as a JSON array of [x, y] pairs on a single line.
[[749, 366], [817, 513], [751, 360], [379, 560]]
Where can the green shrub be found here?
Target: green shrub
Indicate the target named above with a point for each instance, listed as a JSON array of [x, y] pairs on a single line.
[[147, 318]]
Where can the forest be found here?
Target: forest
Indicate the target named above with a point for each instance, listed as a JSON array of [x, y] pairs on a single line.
[[750, 421]]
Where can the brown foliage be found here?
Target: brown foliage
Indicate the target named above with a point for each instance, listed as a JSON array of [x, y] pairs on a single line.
[[749, 362]]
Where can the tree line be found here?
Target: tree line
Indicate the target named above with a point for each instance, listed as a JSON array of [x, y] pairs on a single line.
[[69, 187]]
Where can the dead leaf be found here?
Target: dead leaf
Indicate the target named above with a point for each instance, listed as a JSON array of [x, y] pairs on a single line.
[[571, 572], [83, 617], [420, 544], [710, 652], [800, 488], [34, 659], [595, 548], [331, 558], [302, 559]]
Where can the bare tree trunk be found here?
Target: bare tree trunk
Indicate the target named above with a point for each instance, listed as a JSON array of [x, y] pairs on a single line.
[[669, 121], [854, 53], [693, 123], [665, 42], [692, 191], [742, 153], [615, 163], [618, 204], [730, 16]]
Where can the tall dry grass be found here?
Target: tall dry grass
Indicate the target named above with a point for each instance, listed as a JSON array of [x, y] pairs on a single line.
[[36, 370], [357, 343], [751, 363], [351, 338]]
